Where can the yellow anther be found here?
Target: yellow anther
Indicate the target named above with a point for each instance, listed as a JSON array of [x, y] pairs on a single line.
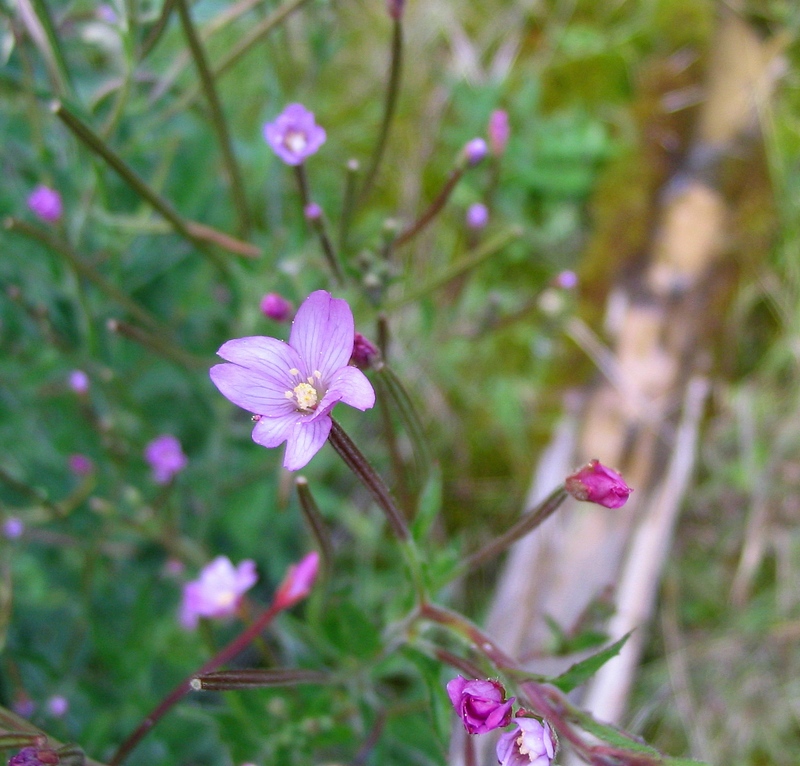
[[306, 396]]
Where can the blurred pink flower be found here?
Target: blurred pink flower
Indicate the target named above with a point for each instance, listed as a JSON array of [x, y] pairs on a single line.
[[567, 280], [481, 705], [477, 216], [531, 743], [166, 458], [80, 465], [312, 211], [292, 387], [294, 135], [275, 306], [499, 131], [595, 483], [45, 203], [79, 382], [395, 8], [475, 151], [57, 706], [13, 528], [35, 756], [298, 581], [217, 592]]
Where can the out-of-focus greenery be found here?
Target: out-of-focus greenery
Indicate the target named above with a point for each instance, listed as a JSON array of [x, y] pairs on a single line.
[[88, 601]]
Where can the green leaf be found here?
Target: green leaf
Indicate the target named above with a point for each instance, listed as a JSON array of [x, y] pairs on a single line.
[[429, 505], [582, 671]]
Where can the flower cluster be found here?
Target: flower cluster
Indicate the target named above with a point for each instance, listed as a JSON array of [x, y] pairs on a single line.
[[482, 707]]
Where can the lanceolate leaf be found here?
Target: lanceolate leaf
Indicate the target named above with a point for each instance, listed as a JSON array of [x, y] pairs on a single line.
[[582, 671]]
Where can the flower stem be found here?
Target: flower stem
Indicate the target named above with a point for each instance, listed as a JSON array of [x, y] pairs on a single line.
[[316, 523], [348, 203], [390, 104], [155, 33], [217, 115], [227, 653], [526, 524]]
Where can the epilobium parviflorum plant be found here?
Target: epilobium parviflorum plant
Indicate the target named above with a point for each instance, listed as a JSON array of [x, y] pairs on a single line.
[[204, 559]]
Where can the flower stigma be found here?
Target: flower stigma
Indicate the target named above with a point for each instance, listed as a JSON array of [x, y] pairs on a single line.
[[295, 141]]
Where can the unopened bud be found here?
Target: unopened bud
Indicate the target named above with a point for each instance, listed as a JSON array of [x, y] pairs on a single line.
[[595, 483]]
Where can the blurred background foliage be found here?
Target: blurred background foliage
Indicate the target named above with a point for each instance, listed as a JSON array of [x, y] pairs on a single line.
[[88, 599]]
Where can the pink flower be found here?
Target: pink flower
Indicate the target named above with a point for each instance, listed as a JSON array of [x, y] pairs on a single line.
[[594, 483], [35, 756], [475, 151], [499, 131], [294, 135], [298, 581], [481, 705], [292, 387], [531, 743], [13, 528], [312, 212], [57, 706], [45, 203], [276, 307], [166, 458], [80, 465], [566, 280], [217, 592], [79, 382], [477, 216], [365, 353]]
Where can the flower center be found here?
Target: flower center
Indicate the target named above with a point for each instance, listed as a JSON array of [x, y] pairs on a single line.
[[305, 394], [524, 749], [295, 141]]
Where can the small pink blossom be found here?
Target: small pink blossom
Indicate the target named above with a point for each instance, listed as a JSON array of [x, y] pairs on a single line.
[[298, 581], [46, 203], [294, 135], [566, 280], [57, 706], [499, 131], [475, 151], [166, 458], [477, 216], [481, 705], [13, 528], [275, 306], [312, 212], [293, 387], [595, 483], [217, 592], [80, 465], [531, 743], [79, 382]]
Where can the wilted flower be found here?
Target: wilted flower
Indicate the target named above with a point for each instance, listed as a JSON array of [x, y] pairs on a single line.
[[365, 353], [79, 382], [292, 387], [80, 465], [276, 307], [45, 203], [498, 131], [477, 216], [218, 591], [595, 483], [34, 756], [13, 528], [531, 743], [294, 135], [481, 705], [57, 706], [298, 581], [166, 458], [475, 151]]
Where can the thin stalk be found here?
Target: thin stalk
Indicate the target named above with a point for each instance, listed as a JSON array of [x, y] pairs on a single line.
[[316, 523], [390, 437], [158, 344], [226, 654], [85, 271], [484, 252], [348, 202], [526, 524], [217, 116], [155, 33], [432, 210], [257, 678], [389, 108], [36, 17]]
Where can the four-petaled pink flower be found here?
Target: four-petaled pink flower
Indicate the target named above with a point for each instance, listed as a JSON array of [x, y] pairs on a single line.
[[292, 387], [45, 203], [595, 483], [217, 592], [531, 743], [481, 705], [166, 458], [294, 135]]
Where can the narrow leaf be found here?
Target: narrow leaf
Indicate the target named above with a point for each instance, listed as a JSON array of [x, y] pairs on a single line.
[[582, 671]]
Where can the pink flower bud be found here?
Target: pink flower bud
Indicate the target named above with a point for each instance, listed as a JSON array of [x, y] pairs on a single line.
[[274, 306], [45, 203], [594, 483], [80, 465], [566, 280], [477, 216], [298, 581], [395, 8], [57, 706], [481, 705], [365, 353], [498, 131], [475, 151], [312, 212], [166, 458], [13, 528], [35, 756], [79, 382]]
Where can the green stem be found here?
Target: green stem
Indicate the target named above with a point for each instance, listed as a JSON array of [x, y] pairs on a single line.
[[50, 46], [157, 30], [158, 344], [316, 523], [389, 108], [348, 203], [217, 115]]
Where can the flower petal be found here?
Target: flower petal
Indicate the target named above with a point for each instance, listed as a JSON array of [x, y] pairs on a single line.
[[251, 390], [352, 387], [305, 440], [271, 357], [272, 432], [323, 334]]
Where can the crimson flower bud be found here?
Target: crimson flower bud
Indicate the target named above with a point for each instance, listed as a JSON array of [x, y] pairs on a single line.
[[595, 483], [481, 705]]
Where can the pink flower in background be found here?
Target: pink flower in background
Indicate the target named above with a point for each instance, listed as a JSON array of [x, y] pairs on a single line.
[[298, 581], [35, 756], [595, 483], [312, 212], [80, 465], [395, 8], [274, 306], [166, 458], [365, 353], [475, 151], [477, 216], [531, 743], [499, 131], [45, 203], [481, 705], [13, 528], [292, 387], [57, 706], [294, 135], [567, 280], [79, 382], [217, 592]]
